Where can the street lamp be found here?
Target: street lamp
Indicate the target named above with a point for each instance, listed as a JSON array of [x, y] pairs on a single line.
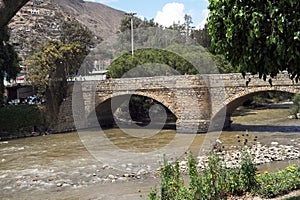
[[131, 21]]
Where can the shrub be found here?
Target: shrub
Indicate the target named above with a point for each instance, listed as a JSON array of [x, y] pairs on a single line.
[[247, 173], [279, 183], [214, 182], [217, 182], [172, 184], [21, 118], [296, 107]]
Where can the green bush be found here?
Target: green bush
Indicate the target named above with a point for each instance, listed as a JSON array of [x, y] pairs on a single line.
[[296, 107], [172, 184], [247, 173], [217, 182], [21, 118], [279, 183]]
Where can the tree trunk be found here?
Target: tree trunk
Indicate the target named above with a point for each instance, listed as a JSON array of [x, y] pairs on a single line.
[[2, 88], [8, 8], [56, 91]]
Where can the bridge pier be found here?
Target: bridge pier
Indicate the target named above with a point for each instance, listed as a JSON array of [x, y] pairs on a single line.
[[192, 126], [217, 123]]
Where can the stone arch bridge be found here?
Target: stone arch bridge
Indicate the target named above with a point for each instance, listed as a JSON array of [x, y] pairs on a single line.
[[200, 102]]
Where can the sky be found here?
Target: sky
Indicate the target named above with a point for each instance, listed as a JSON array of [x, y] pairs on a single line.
[[164, 12]]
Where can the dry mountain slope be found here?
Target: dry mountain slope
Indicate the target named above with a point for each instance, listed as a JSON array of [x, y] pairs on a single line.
[[40, 21], [102, 20]]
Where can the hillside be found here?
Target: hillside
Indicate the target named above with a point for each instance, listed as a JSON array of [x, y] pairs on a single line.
[[34, 25], [39, 21], [101, 20]]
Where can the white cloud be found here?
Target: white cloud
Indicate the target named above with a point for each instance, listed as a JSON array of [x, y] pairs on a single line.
[[205, 14], [171, 12]]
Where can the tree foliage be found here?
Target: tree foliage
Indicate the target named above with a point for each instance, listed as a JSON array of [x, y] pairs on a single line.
[[202, 37], [74, 32], [201, 59], [9, 61], [223, 65], [149, 59], [257, 36], [161, 51], [175, 59], [49, 68], [137, 23], [64, 57], [20, 118], [296, 107], [55, 62], [54, 56]]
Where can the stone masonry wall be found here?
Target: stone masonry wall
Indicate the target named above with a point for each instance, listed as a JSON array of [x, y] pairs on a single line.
[[194, 100], [65, 122]]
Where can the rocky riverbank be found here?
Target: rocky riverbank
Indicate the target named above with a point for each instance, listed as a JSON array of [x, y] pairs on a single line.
[[5, 136], [262, 154]]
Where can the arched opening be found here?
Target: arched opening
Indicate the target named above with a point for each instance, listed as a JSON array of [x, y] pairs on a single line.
[[257, 106], [133, 109], [261, 122]]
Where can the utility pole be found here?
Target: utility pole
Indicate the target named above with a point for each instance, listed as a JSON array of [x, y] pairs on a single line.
[[131, 22]]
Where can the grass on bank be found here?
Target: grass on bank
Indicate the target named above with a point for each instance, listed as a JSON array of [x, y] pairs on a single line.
[[217, 183]]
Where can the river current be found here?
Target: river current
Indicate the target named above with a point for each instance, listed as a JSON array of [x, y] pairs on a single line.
[[61, 167]]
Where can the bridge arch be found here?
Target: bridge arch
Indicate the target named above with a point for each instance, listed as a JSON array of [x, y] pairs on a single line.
[[106, 107], [235, 101]]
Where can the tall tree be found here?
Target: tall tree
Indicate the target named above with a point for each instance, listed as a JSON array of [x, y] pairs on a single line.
[[9, 62], [187, 21], [177, 27], [257, 36], [55, 62], [137, 23], [49, 68]]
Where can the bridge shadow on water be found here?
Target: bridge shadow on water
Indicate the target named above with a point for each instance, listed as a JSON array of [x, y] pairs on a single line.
[[264, 128]]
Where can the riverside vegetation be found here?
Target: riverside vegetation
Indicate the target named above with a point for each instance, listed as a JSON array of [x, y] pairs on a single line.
[[216, 181], [295, 110], [21, 120]]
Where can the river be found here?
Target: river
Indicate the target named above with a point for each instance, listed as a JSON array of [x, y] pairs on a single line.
[[61, 167]]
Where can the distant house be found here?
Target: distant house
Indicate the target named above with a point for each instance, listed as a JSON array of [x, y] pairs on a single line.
[[20, 79], [19, 88], [91, 76], [96, 75], [35, 11]]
